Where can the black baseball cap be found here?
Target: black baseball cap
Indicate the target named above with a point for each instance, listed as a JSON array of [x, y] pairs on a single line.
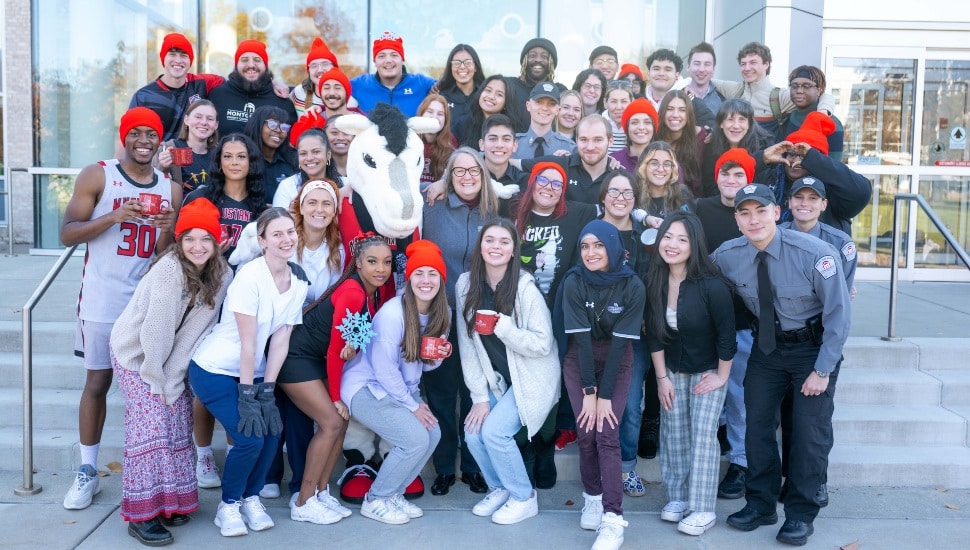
[[545, 89], [757, 192], [807, 182]]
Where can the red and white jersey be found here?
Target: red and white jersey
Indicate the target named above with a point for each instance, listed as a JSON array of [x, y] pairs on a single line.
[[118, 258]]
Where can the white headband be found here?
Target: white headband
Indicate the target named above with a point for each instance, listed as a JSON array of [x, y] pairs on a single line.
[[318, 184]]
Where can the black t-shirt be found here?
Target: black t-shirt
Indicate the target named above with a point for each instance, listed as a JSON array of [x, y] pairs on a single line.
[[615, 311], [197, 174], [549, 245], [494, 347], [718, 221]]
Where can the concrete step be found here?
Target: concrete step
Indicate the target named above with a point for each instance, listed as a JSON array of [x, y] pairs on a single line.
[[48, 336], [912, 425], [887, 387], [899, 466], [49, 370], [874, 353], [964, 412], [943, 353], [54, 408], [955, 386]]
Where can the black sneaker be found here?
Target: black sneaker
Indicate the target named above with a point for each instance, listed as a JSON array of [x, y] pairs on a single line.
[[732, 486], [150, 533], [649, 438]]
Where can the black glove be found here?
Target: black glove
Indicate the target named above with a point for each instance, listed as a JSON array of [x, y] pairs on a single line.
[[250, 420], [267, 402]]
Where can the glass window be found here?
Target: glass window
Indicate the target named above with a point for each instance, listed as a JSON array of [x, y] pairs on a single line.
[[3, 182], [874, 100], [872, 229], [950, 199], [946, 104]]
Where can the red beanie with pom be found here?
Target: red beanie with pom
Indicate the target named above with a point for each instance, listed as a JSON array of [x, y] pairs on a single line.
[[320, 50], [814, 131], [310, 119]]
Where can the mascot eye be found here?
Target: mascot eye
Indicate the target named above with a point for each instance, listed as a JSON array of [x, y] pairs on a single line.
[[369, 161]]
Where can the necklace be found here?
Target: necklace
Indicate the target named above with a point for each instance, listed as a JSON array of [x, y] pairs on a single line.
[[606, 305]]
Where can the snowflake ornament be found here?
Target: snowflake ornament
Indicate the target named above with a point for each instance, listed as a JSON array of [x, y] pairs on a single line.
[[356, 329]]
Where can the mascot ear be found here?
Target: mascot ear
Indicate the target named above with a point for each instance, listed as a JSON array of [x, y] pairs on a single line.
[[355, 124], [423, 125]]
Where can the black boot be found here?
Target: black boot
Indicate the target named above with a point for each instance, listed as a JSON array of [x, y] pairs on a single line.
[[545, 463], [649, 438], [528, 452], [150, 533]]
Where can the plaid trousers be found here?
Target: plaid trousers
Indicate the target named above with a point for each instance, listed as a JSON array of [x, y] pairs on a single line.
[[689, 451]]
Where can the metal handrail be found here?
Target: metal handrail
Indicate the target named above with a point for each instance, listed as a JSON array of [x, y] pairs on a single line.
[[27, 328], [894, 257]]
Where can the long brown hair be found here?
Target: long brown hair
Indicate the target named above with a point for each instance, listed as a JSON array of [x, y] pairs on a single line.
[[443, 143], [674, 190], [210, 142], [505, 290], [200, 283], [439, 321], [331, 235], [686, 145]]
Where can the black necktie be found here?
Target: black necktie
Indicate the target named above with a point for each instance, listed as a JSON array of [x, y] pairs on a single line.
[[766, 320], [540, 150]]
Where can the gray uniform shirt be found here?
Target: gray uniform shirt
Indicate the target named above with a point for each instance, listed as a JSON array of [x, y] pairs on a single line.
[[807, 279], [837, 238], [554, 141]]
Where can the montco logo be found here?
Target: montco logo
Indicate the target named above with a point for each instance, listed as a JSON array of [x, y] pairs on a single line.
[[240, 115]]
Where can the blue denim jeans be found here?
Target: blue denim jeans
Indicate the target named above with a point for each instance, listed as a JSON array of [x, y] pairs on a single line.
[[495, 450], [734, 412], [251, 457], [633, 413]]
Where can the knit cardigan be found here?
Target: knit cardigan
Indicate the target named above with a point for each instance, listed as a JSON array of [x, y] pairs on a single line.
[[531, 350], [147, 337]]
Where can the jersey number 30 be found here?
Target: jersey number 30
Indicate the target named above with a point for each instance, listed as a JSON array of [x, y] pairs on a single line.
[[137, 240]]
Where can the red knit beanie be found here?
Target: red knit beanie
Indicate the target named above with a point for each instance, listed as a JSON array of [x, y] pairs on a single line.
[[640, 106], [389, 41], [199, 214], [631, 68], [541, 167], [424, 253], [251, 46], [139, 116], [739, 156], [310, 119], [334, 74], [176, 40], [814, 131], [320, 50]]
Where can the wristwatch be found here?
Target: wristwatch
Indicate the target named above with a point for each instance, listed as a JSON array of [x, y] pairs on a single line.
[[822, 374], [589, 390]]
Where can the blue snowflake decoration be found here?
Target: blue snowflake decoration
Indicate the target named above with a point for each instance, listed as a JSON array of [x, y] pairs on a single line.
[[356, 329]]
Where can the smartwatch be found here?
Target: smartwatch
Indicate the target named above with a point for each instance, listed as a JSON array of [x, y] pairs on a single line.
[[589, 390]]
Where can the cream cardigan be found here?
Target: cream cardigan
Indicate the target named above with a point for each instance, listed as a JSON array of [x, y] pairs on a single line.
[[147, 337], [532, 354]]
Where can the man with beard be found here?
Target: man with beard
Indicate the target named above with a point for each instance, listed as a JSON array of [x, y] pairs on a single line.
[[334, 89], [586, 167], [391, 83], [539, 60], [249, 85]]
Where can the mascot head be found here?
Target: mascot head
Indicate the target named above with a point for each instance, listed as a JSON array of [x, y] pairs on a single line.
[[384, 166]]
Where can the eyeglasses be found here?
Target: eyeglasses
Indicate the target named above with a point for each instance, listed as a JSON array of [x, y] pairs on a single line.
[[613, 193], [459, 172], [602, 62], [459, 63], [592, 87], [805, 87], [543, 181], [622, 83], [275, 126], [666, 165]]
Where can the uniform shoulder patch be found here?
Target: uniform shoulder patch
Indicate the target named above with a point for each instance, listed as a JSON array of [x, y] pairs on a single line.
[[848, 251], [826, 266]]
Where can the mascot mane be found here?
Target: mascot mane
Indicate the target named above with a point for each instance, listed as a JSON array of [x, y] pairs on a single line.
[[391, 124]]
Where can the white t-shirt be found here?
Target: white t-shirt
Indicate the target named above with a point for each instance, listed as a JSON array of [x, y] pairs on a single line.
[[316, 263], [288, 190], [252, 292]]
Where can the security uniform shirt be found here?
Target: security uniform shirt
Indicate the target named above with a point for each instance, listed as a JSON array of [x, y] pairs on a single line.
[[838, 239]]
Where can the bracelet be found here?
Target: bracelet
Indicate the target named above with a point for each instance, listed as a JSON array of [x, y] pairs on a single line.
[[661, 377]]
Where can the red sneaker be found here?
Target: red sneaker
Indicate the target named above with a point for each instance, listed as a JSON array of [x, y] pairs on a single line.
[[565, 438], [355, 482], [415, 489]]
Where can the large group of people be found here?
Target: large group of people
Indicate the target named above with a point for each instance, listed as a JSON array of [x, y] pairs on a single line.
[[672, 278]]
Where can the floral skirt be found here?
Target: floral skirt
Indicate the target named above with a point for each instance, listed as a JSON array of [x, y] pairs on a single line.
[[159, 468]]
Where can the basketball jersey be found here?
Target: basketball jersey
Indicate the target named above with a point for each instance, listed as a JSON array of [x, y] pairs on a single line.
[[117, 259]]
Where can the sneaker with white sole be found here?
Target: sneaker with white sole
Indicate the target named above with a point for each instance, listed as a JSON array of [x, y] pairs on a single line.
[[331, 502], [270, 490], [633, 485], [514, 511], [412, 510], [673, 511], [85, 486], [313, 511], [229, 519], [206, 473], [697, 523], [254, 514], [610, 531], [492, 502], [592, 512], [383, 510]]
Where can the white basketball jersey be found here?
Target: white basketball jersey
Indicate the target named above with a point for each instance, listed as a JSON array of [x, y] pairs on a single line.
[[118, 258]]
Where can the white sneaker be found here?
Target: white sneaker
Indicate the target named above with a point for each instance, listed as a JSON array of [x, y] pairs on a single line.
[[331, 502], [673, 511], [610, 535], [492, 502], [696, 523], [206, 473], [514, 511], [592, 512], [229, 520], [270, 490], [314, 511], [412, 510], [293, 498], [383, 510], [85, 486], [254, 514]]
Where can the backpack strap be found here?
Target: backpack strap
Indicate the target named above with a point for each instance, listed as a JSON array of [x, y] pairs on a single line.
[[775, 103]]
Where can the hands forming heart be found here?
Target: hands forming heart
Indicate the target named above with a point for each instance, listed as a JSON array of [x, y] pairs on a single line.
[[785, 152]]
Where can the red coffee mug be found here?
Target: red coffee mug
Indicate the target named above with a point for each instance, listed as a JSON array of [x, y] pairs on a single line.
[[151, 204], [485, 320], [430, 346], [181, 156]]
